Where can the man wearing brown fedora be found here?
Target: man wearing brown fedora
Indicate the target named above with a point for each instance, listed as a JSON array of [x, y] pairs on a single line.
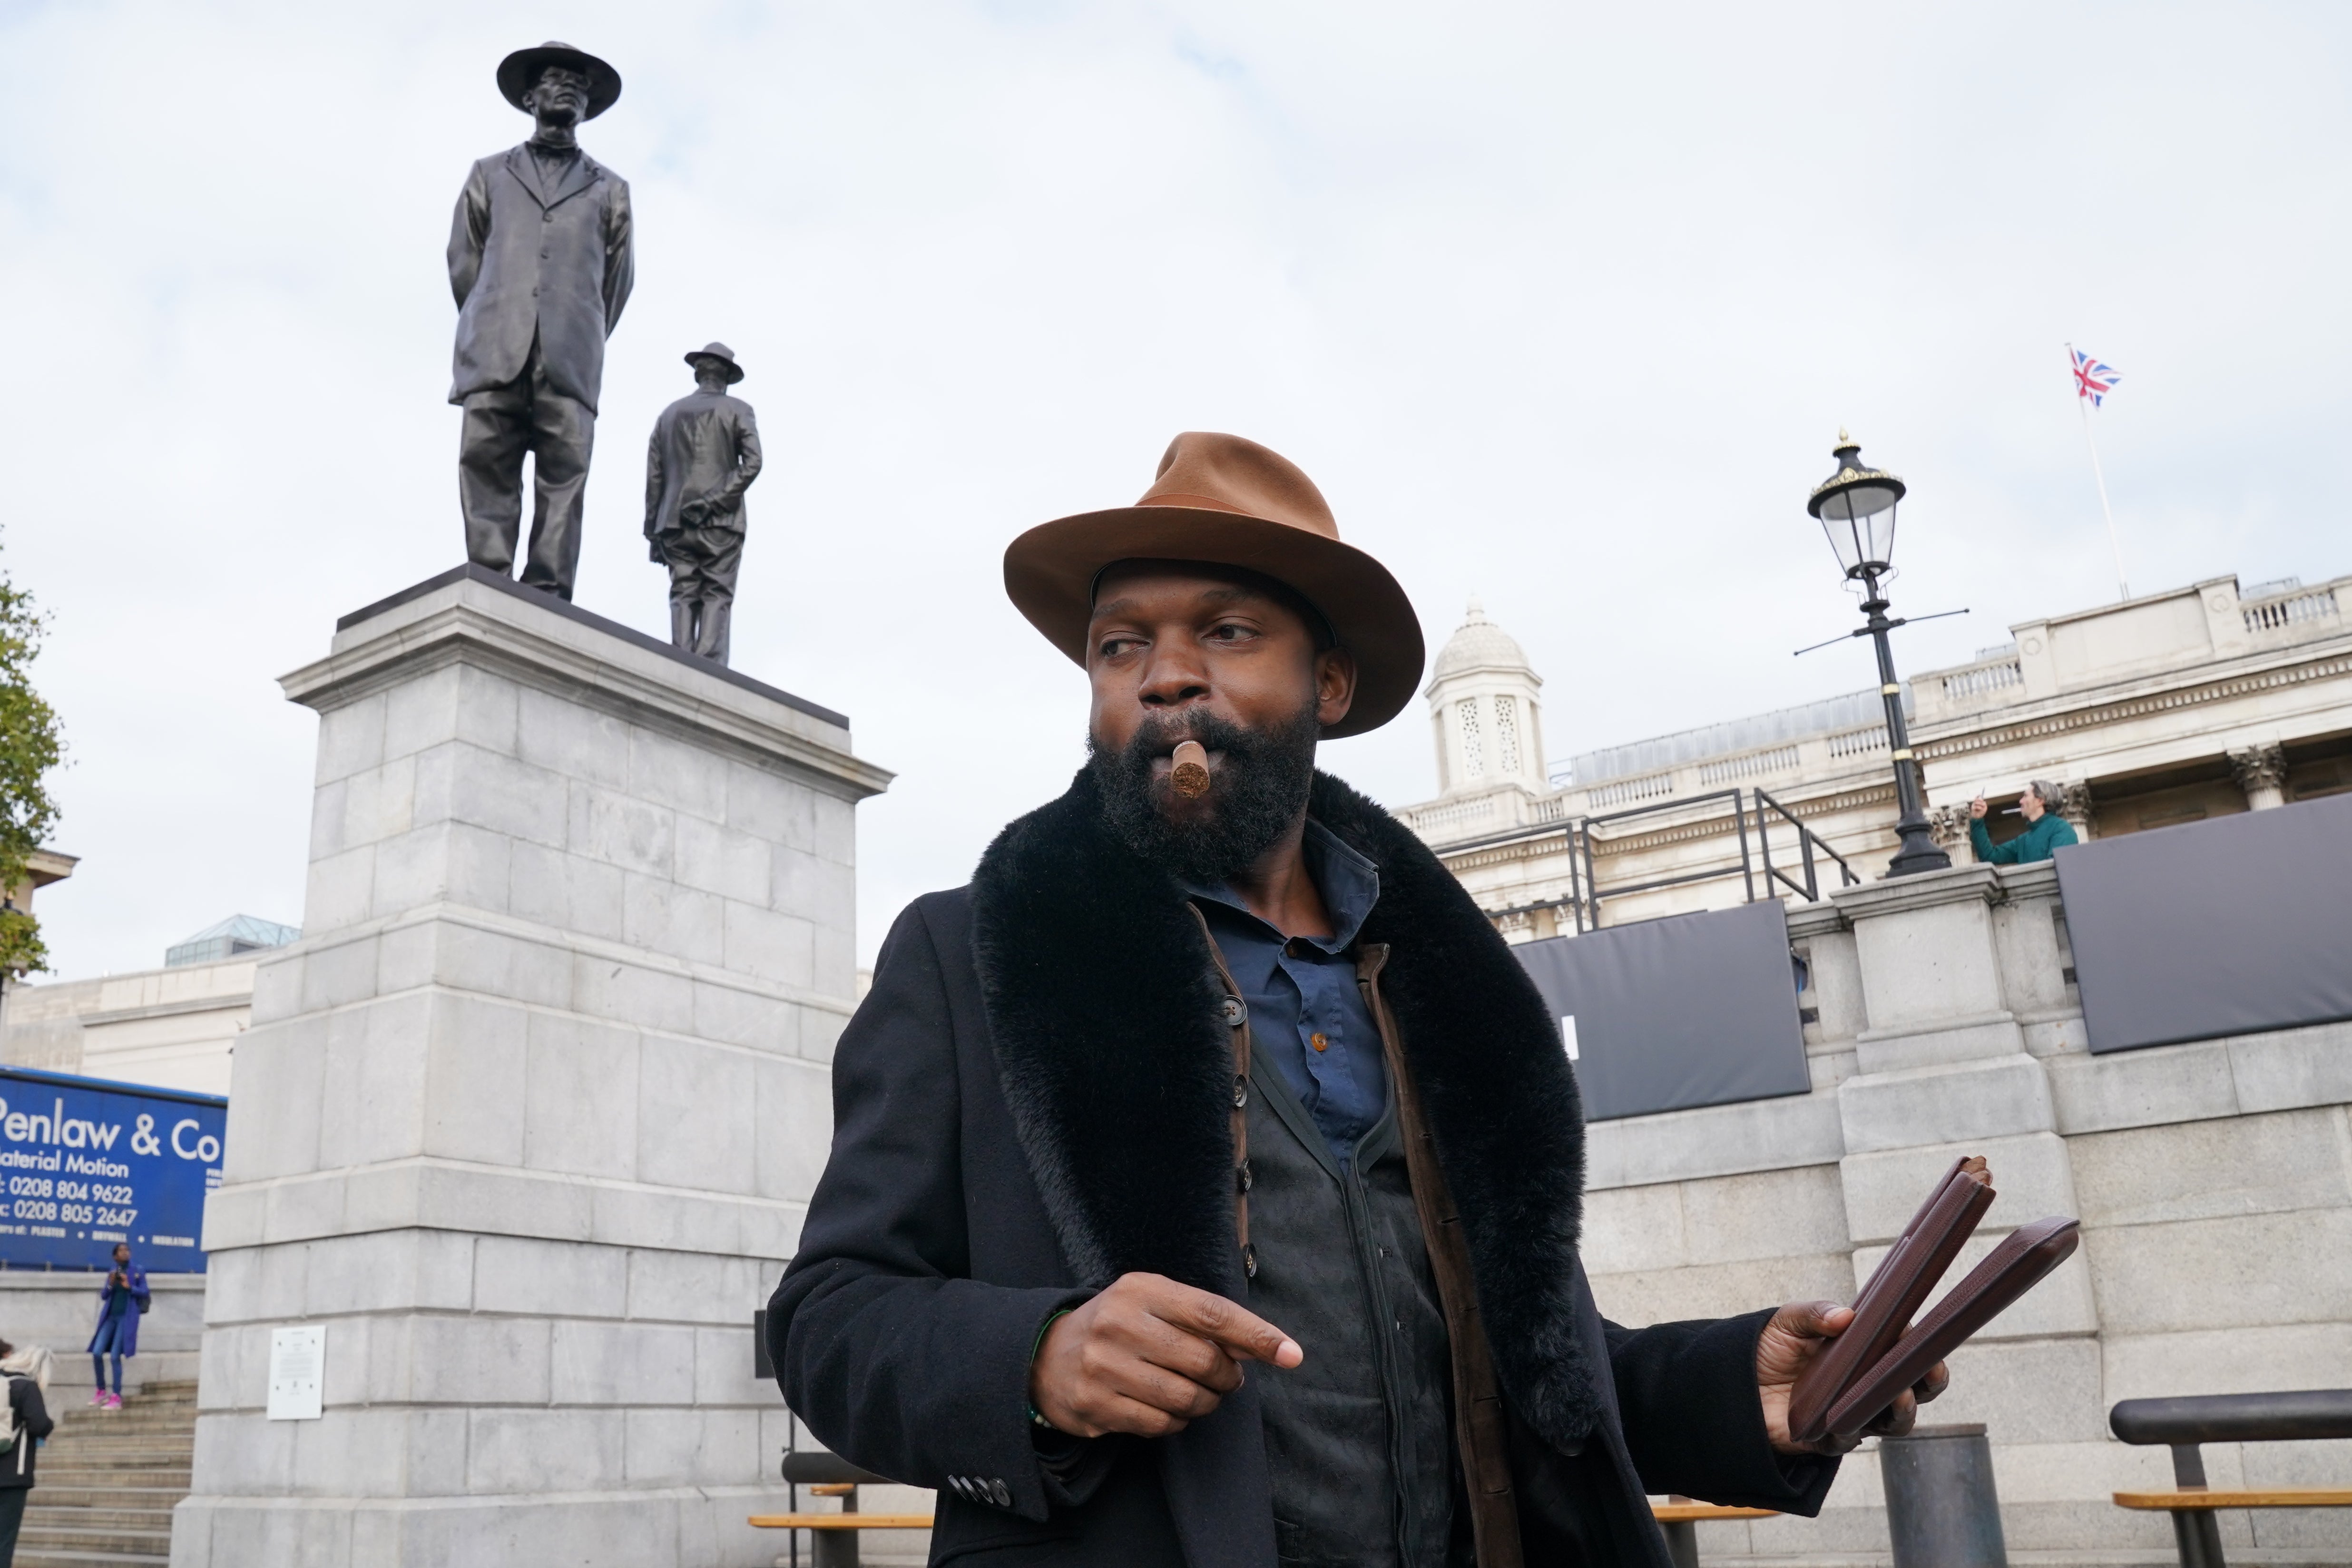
[[1206, 1176]]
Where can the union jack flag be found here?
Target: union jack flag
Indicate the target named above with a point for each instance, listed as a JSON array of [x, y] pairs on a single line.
[[2092, 379]]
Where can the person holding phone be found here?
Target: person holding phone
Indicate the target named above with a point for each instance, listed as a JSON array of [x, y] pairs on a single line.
[[2045, 830], [121, 1301]]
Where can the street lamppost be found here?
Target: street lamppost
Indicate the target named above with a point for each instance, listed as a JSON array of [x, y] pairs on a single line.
[[1857, 506]]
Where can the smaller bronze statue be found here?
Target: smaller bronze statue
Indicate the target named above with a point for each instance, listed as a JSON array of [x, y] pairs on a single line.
[[704, 455]]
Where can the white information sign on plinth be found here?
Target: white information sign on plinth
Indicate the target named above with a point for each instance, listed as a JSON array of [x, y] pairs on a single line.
[[298, 1360]]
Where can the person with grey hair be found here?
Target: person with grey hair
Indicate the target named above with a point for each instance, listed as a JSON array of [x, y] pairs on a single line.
[[2045, 830]]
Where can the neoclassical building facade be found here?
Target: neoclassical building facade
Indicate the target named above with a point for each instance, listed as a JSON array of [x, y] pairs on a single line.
[[2159, 709]]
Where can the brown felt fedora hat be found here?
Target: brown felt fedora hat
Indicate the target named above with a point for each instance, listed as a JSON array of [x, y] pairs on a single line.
[[1224, 502]]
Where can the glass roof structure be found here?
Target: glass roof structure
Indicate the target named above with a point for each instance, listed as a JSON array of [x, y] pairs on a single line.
[[235, 935]]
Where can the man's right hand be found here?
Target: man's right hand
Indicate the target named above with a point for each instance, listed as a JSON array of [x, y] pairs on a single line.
[[1148, 1356], [1977, 809]]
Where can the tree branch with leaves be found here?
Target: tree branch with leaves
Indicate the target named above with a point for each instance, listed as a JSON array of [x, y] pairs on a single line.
[[30, 746]]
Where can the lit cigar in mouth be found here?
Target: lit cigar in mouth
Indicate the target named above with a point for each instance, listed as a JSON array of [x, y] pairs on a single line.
[[1190, 774]]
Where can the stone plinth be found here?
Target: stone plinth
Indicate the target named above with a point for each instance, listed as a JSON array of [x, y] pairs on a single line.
[[529, 1118]]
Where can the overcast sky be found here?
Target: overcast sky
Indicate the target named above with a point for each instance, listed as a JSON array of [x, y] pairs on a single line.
[[1561, 306]]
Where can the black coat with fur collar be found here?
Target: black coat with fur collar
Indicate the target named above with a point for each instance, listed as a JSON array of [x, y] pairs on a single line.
[[1034, 1099]]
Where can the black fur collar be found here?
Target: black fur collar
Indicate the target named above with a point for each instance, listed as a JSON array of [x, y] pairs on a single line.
[[1102, 1001]]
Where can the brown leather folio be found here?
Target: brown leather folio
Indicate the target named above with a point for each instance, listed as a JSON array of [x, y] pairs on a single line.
[[1882, 1351]]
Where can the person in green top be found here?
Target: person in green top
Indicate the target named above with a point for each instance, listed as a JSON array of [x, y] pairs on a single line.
[[2045, 830]]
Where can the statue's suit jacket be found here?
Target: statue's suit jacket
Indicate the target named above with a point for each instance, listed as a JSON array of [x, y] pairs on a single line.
[[524, 262], [705, 447]]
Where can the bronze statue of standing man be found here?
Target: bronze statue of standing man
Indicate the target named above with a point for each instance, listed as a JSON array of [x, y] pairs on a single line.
[[704, 455], [540, 259]]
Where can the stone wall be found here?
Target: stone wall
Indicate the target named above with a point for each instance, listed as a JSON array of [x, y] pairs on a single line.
[[2213, 1179], [60, 1311], [174, 1028], [528, 1117]]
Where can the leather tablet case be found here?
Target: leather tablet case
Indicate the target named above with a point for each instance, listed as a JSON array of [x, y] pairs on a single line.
[[1857, 1375], [1902, 1282], [2024, 1256]]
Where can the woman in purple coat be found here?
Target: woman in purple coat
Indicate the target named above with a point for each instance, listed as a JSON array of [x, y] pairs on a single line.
[[120, 1300]]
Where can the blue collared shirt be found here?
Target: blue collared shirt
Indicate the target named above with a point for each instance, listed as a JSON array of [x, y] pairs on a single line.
[[1306, 1013]]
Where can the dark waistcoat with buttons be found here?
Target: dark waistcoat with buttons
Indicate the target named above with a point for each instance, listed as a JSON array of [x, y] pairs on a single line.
[[1359, 1439], [1037, 1098]]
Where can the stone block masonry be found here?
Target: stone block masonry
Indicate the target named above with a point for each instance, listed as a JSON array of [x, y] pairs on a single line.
[[2213, 1179], [529, 1117]]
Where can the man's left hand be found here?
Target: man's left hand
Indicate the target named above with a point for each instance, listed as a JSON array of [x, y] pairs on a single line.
[[1798, 1334]]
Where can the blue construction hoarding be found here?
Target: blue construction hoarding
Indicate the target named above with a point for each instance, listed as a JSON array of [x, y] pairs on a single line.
[[89, 1162]]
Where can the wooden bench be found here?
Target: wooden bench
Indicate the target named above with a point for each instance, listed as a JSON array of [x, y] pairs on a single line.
[[2184, 1424], [1679, 1518], [847, 1519], [833, 1539]]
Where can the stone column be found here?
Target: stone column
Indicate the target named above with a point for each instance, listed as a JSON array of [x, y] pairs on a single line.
[[1948, 825], [2079, 810], [529, 1118], [2260, 772]]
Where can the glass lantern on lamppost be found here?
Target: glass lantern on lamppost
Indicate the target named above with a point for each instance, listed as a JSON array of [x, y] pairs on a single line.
[[1857, 506]]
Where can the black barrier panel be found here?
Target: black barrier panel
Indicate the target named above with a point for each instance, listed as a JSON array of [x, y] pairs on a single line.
[[1670, 1014], [2225, 927]]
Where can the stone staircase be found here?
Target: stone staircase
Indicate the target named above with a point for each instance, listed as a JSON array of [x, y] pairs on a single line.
[[107, 1479]]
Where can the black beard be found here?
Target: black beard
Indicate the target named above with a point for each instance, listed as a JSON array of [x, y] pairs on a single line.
[[1258, 789]]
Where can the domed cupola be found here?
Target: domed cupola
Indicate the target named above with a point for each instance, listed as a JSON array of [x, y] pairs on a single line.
[[1484, 708]]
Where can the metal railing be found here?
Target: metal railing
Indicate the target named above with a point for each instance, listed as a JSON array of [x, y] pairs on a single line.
[[1807, 840], [2184, 1423], [1582, 831], [1586, 892]]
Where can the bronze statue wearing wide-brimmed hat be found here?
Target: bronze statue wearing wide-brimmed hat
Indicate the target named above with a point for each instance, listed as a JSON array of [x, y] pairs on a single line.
[[521, 70], [704, 455], [541, 256]]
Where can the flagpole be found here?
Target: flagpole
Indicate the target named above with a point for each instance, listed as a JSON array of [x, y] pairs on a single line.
[[2123, 589]]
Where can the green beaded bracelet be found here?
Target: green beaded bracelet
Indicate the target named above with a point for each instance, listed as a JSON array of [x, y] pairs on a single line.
[[1036, 1345]]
